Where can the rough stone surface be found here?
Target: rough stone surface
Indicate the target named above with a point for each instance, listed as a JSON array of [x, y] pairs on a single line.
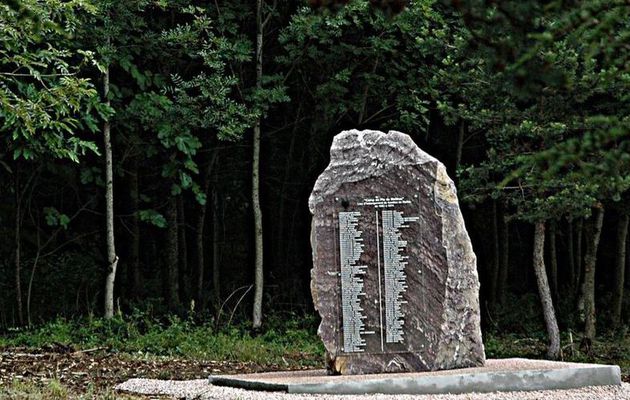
[[394, 277]]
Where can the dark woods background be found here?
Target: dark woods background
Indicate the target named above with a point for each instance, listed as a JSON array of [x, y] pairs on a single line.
[[184, 101]]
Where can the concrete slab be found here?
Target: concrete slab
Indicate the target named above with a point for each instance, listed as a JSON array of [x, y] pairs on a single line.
[[515, 374]]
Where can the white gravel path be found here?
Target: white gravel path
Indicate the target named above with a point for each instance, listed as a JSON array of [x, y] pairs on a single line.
[[202, 390]]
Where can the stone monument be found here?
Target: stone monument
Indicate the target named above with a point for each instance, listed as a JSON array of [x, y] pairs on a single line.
[[394, 277]]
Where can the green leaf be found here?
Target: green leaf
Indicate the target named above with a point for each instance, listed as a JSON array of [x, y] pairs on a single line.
[[153, 217]]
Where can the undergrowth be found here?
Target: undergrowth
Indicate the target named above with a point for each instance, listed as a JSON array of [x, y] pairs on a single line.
[[283, 341], [518, 330], [605, 350], [286, 340]]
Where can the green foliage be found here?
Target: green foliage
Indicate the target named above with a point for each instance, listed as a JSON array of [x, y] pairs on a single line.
[[55, 218], [45, 104], [540, 93], [153, 217], [551, 102], [515, 345], [174, 113], [363, 68]]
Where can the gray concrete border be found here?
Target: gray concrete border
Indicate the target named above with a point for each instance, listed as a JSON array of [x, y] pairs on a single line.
[[566, 377]]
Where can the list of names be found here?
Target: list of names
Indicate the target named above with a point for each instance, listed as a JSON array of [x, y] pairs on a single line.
[[389, 271], [350, 250], [394, 263]]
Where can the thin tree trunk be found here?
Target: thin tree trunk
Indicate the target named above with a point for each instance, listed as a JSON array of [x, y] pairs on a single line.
[[172, 254], [184, 279], [571, 256], [590, 260], [366, 90], [281, 249], [460, 147], [578, 254], [112, 258], [134, 273], [553, 351], [553, 260], [505, 259], [620, 269], [29, 291], [216, 249], [201, 220], [494, 273], [258, 228], [18, 244], [201, 217]]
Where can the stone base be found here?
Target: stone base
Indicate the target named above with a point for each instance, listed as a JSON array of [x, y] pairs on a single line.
[[506, 375]]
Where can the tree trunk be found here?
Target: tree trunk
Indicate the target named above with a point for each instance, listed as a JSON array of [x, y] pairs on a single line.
[[112, 258], [281, 248], [505, 259], [201, 217], [460, 147], [553, 261], [258, 229], [578, 254], [364, 100], [172, 254], [134, 270], [553, 351], [184, 276], [494, 273], [18, 243], [201, 221], [590, 260], [29, 291], [571, 257], [620, 269], [216, 249]]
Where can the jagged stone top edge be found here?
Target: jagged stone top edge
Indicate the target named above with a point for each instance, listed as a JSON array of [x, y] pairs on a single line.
[[400, 142]]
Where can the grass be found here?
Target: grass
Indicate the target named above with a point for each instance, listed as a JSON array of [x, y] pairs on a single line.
[[54, 390], [286, 342], [139, 334]]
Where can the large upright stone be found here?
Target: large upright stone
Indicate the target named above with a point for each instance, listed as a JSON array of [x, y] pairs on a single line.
[[394, 276]]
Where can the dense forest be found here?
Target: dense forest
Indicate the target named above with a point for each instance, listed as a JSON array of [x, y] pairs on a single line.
[[160, 153]]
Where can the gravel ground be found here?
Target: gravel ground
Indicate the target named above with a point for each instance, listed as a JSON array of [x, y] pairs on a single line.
[[202, 390]]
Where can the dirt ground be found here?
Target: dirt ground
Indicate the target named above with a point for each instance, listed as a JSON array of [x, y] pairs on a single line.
[[99, 369]]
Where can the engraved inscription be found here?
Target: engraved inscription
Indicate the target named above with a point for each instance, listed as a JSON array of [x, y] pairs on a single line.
[[384, 202], [350, 249], [394, 263], [387, 276]]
